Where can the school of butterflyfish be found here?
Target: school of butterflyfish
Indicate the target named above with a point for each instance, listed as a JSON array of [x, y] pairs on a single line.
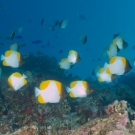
[[53, 91], [118, 65]]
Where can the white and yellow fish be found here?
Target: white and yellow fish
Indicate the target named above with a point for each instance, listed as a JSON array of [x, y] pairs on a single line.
[[112, 50], [14, 47], [63, 24], [65, 64], [50, 91], [103, 76], [118, 65], [73, 56], [119, 41], [12, 59], [16, 81], [79, 89], [83, 39]]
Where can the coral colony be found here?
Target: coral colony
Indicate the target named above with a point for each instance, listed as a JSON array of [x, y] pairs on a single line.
[[107, 111]]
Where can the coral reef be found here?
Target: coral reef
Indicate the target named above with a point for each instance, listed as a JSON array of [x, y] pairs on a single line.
[[107, 111], [116, 122]]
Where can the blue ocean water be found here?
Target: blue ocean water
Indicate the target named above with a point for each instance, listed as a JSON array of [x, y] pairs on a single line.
[[103, 19]]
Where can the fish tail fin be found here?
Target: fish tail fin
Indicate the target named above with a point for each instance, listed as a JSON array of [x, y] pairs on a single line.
[[2, 57], [68, 89], [37, 91], [24, 76]]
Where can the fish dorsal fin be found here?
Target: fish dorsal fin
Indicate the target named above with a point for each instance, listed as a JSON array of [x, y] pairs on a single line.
[[71, 95], [73, 84], [8, 53], [101, 70], [110, 47], [41, 100], [59, 86], [70, 52], [123, 61], [16, 74], [115, 35], [112, 60], [44, 84]]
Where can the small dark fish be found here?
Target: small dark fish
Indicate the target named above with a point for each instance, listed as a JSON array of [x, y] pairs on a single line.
[[81, 17], [12, 35], [36, 42], [56, 23], [93, 60], [87, 49], [83, 39], [115, 35], [42, 22], [99, 59], [29, 21], [2, 44], [60, 51], [19, 37]]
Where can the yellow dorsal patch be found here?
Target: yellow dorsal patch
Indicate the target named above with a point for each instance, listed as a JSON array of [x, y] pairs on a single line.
[[44, 84], [85, 84], [73, 84], [4, 63], [16, 74], [123, 61], [108, 71], [101, 70], [25, 82], [70, 52], [8, 53], [18, 56], [110, 47], [99, 79], [112, 60], [41, 100], [71, 95], [59, 86], [63, 60], [114, 41]]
